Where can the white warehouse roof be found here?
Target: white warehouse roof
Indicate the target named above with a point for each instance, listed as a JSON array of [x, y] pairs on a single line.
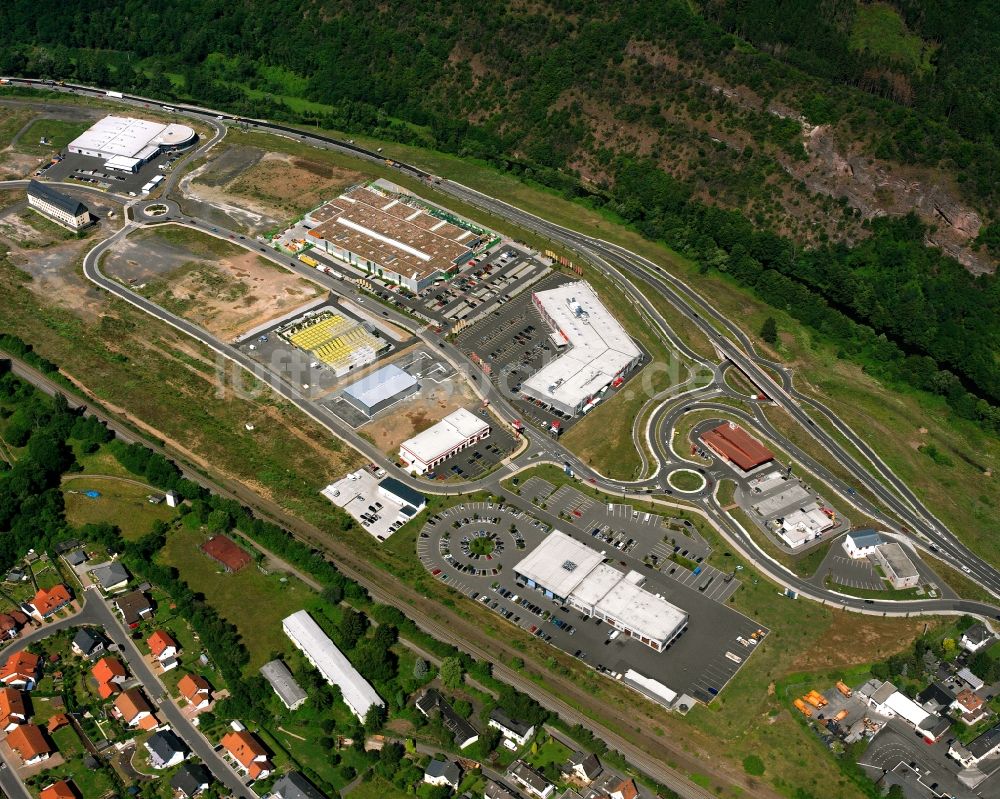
[[906, 708], [646, 614], [130, 138], [559, 564], [452, 431], [382, 385], [336, 669], [600, 348]]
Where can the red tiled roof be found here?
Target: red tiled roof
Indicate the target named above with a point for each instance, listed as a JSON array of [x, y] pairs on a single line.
[[190, 685], [131, 703], [627, 789], [226, 552], [58, 790], [47, 601], [243, 746], [107, 668], [11, 703], [57, 721], [159, 642], [28, 741], [733, 442], [20, 664]]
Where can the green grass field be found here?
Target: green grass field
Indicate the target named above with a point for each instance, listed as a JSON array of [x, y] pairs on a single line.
[[194, 241], [57, 132], [272, 599], [121, 503], [376, 788], [686, 481], [878, 29]]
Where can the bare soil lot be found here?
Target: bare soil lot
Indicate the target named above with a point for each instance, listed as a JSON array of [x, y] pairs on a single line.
[[219, 286], [263, 190], [416, 414]]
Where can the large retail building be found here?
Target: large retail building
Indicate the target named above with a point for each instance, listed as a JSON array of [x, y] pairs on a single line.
[[126, 143], [567, 570], [596, 351]]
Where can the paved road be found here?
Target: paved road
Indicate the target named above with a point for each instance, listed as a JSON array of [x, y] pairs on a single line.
[[95, 611]]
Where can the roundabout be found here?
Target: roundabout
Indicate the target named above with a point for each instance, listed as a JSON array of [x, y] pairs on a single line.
[[686, 481]]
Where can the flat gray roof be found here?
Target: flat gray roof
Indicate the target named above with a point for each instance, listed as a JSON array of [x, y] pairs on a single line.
[[388, 382]]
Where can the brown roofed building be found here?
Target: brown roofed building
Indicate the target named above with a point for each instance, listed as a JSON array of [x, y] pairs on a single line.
[[20, 670], [133, 607], [12, 709], [248, 753], [10, 624], [134, 709], [225, 551], [196, 690], [49, 600], [58, 721], [625, 790], [109, 670], [30, 744], [734, 444], [58, 790]]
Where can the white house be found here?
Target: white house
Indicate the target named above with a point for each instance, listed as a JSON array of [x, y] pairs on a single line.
[[976, 638], [443, 772], [516, 732], [862, 543]]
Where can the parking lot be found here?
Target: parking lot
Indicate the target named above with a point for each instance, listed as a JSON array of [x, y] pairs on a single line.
[[90, 171], [478, 460], [474, 547], [515, 342]]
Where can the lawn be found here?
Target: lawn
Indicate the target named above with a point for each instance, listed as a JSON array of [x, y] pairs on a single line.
[[272, 596], [194, 241], [58, 132], [548, 756], [376, 788], [121, 503], [686, 481]]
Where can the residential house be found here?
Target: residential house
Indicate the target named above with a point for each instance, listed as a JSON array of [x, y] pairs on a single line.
[[982, 747], [196, 690], [190, 780], [162, 646], [12, 709], [936, 697], [443, 772], [21, 670], [110, 675], [582, 768], [134, 709], [48, 601], [976, 637], [11, 624], [30, 743], [166, 749], [625, 790], [248, 754], [57, 722], [430, 701], [76, 558], [497, 790], [58, 790], [533, 782], [133, 608], [89, 643], [112, 576], [295, 786], [517, 733], [970, 706]]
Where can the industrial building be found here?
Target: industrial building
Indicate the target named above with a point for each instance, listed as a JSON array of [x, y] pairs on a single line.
[[571, 572], [899, 569], [599, 351], [732, 443], [126, 143], [457, 431], [395, 236], [60, 208], [336, 669], [886, 700], [380, 389]]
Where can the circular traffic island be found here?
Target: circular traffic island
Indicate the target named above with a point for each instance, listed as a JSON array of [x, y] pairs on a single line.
[[687, 481], [483, 545], [155, 209]]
